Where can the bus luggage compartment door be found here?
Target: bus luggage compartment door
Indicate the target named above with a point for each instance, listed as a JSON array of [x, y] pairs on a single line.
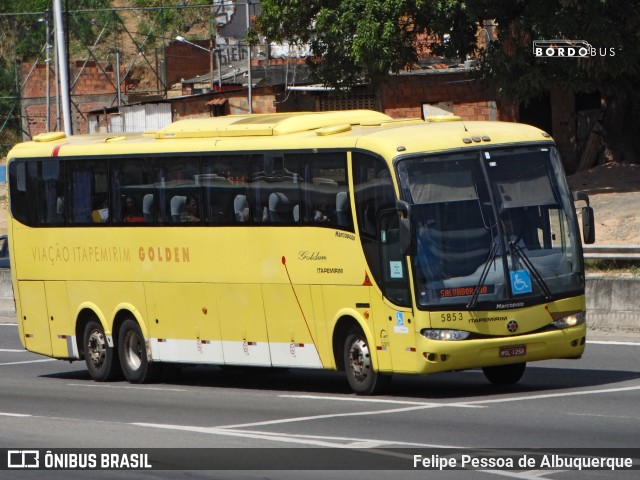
[[34, 317]]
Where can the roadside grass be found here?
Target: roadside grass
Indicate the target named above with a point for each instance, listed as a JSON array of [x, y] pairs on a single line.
[[608, 265]]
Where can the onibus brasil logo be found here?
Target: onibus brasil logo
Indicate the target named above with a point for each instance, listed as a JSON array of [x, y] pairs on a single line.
[[569, 49]]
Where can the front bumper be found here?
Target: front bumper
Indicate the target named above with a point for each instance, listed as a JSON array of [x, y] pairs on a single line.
[[442, 356]]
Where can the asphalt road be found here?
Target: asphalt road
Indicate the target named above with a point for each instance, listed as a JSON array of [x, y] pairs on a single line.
[[592, 403]]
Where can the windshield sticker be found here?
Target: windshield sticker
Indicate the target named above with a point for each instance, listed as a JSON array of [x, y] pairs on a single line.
[[520, 282], [395, 269]]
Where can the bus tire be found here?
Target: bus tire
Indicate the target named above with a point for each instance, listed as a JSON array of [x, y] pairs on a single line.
[[504, 374], [362, 377], [101, 359], [132, 349]]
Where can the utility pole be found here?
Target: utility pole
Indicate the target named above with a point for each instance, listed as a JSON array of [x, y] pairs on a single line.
[[63, 63], [249, 81]]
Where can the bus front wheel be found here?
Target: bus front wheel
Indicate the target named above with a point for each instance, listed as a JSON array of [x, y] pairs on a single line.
[[358, 366], [102, 360], [133, 354], [504, 374]]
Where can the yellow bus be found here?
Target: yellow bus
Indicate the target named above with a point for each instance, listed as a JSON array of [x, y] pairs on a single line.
[[337, 240]]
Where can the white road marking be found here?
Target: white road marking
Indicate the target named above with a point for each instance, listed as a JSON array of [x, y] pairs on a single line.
[[319, 441], [126, 387], [376, 400], [472, 403], [549, 395], [330, 415], [13, 350], [4, 414], [370, 445], [426, 406], [29, 361], [624, 417], [605, 342]]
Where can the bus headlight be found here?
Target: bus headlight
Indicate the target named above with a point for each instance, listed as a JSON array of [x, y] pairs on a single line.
[[571, 320], [439, 334]]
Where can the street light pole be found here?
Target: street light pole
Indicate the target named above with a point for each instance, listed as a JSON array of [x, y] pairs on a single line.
[[249, 80], [211, 51]]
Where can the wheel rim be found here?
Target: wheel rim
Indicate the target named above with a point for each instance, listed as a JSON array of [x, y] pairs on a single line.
[[97, 347], [359, 359], [133, 350]]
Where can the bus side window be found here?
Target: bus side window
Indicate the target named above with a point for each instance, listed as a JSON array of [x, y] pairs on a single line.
[[86, 189], [325, 191], [176, 180], [51, 194], [274, 188], [223, 179], [23, 178], [132, 200], [373, 191]]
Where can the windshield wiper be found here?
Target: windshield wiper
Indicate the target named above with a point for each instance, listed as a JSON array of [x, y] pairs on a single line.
[[485, 271], [514, 247]]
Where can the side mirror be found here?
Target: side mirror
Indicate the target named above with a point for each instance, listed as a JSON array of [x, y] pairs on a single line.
[[404, 234], [588, 221], [588, 225]]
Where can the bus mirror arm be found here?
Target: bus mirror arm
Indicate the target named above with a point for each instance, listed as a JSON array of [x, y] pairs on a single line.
[[581, 196], [405, 238], [588, 220]]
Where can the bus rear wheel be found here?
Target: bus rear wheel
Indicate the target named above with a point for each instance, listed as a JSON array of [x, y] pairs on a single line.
[[358, 366], [133, 354], [102, 360], [504, 374]]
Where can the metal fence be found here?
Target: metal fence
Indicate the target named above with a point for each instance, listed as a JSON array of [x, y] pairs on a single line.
[[612, 252]]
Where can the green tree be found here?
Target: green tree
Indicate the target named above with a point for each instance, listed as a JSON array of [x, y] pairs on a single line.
[[9, 108], [27, 30], [356, 40], [611, 27], [22, 39]]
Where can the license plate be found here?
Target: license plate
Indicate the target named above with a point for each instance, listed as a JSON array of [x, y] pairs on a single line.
[[513, 351]]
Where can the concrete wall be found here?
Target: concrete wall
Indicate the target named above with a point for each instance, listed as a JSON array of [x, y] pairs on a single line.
[[613, 304], [7, 305]]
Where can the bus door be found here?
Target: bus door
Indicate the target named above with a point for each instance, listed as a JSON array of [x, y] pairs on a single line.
[[394, 310], [61, 329], [34, 317]]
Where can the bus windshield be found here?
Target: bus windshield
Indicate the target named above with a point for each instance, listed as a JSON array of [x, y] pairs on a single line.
[[493, 228]]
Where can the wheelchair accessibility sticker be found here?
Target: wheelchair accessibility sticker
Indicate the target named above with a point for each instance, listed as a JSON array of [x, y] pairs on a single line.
[[400, 327], [520, 282]]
